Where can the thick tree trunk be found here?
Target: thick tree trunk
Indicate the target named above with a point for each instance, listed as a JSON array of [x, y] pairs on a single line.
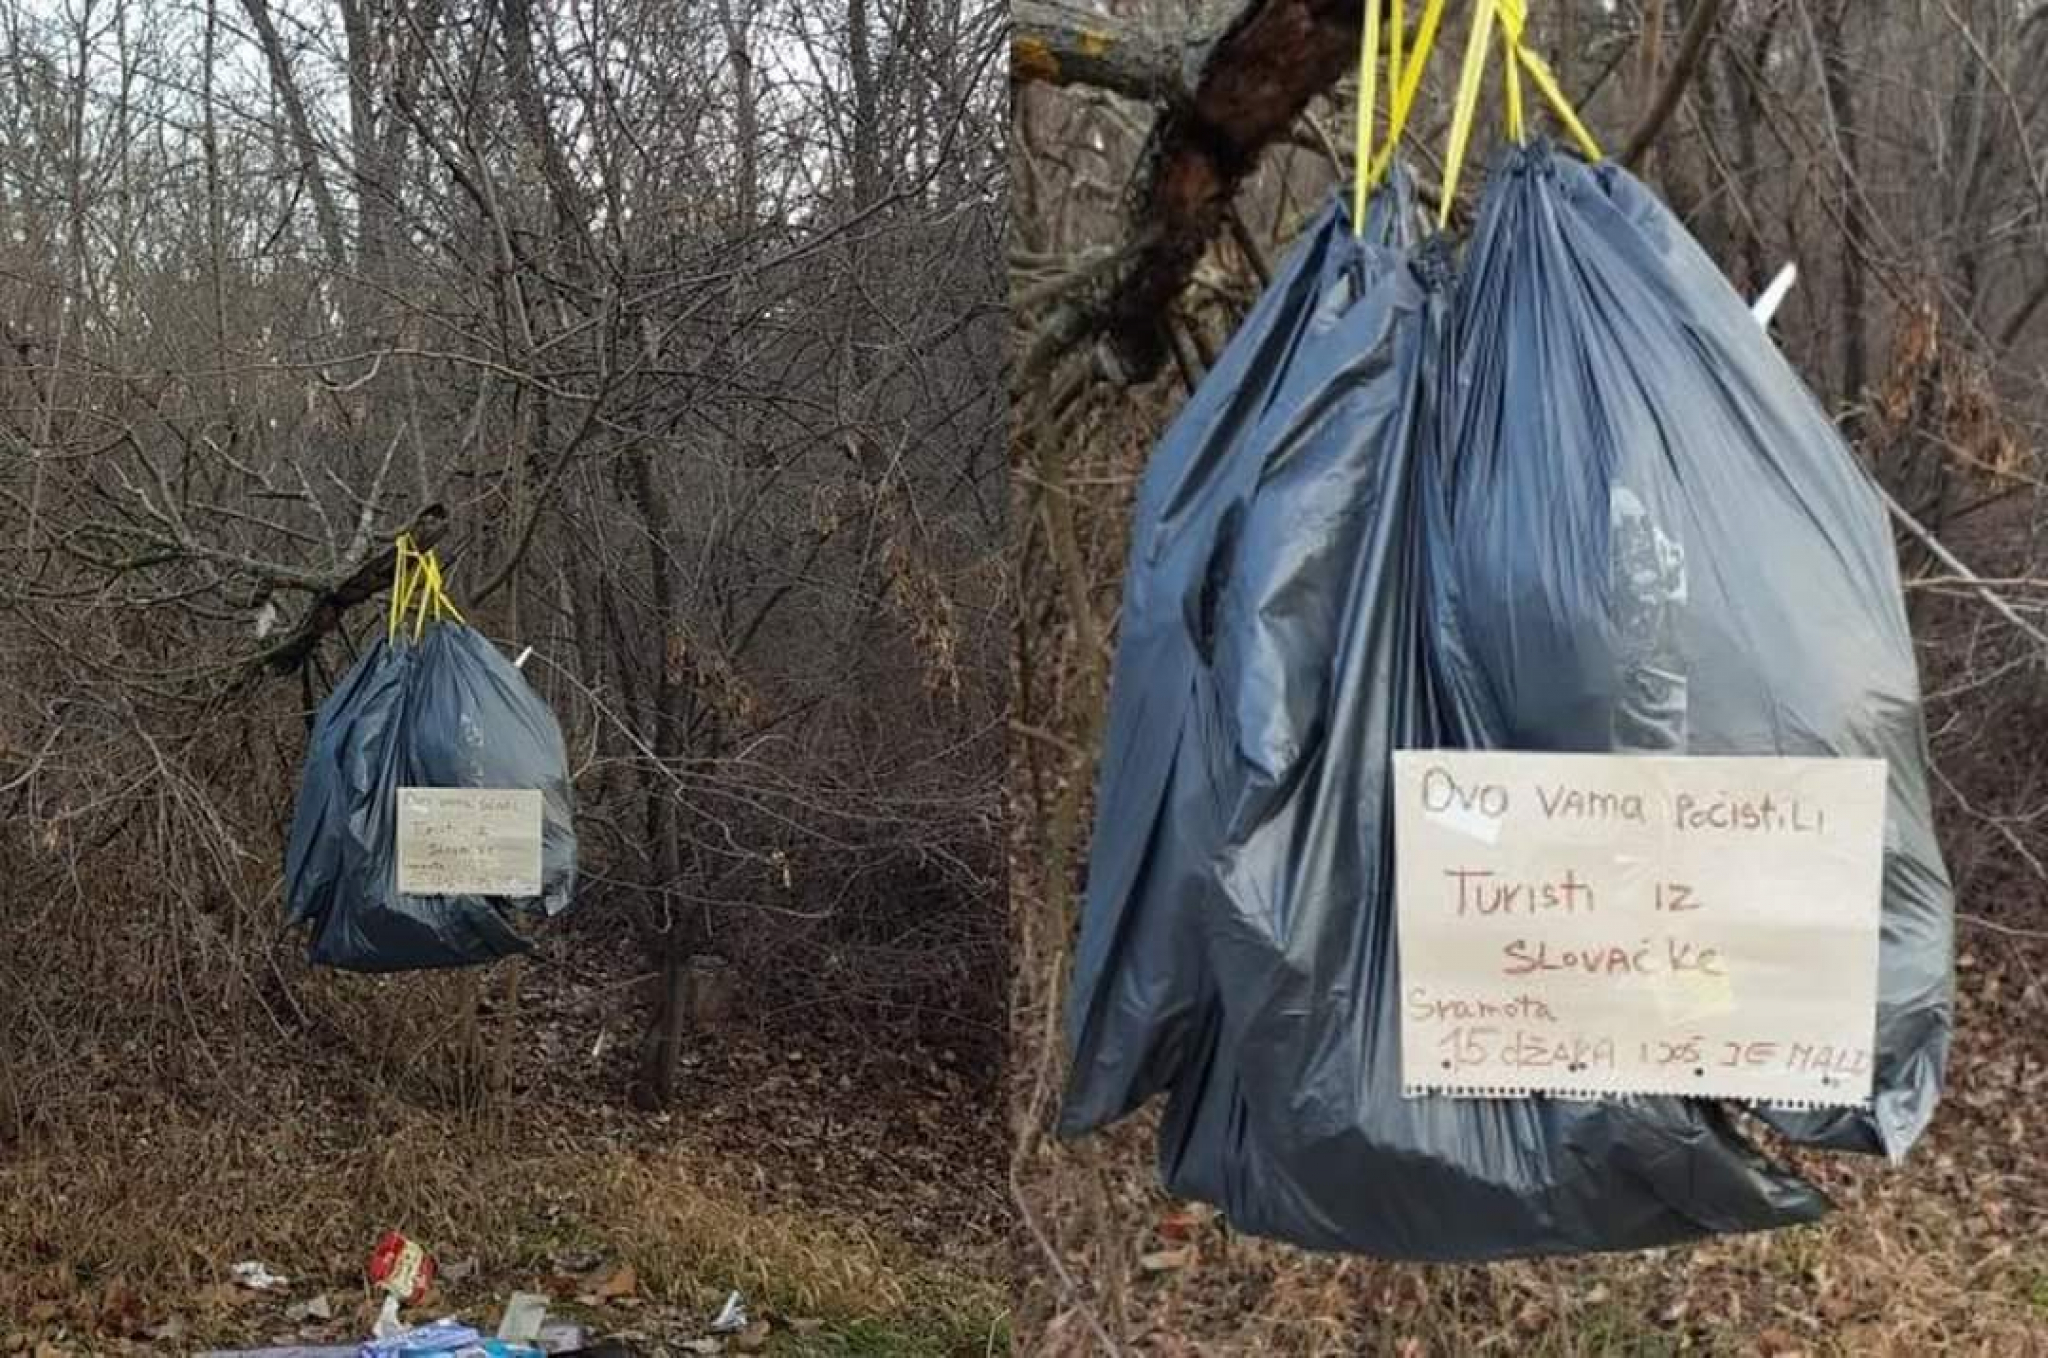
[[572, 214], [1839, 85], [739, 56], [680, 939], [325, 213], [867, 106]]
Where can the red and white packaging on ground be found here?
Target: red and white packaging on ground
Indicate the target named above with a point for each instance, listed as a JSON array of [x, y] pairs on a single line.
[[402, 1268]]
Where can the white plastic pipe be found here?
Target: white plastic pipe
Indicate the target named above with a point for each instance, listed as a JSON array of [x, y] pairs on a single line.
[[1773, 296]]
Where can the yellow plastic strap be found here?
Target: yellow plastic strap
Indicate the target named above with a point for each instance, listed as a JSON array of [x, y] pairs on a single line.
[[1467, 105], [1540, 75], [1514, 16], [433, 596], [426, 593], [1409, 84], [403, 578], [1368, 98], [1512, 81]]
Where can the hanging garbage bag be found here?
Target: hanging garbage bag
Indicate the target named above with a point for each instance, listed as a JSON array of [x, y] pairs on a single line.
[[1663, 544], [1251, 916], [361, 705], [1142, 997], [1140, 993], [1297, 1124], [433, 705]]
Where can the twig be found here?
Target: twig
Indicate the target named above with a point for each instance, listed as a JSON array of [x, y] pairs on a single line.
[[1691, 48], [1997, 823], [2009, 930], [1947, 558]]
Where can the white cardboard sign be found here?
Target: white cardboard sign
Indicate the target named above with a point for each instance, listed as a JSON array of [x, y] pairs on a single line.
[[1603, 925], [468, 841]]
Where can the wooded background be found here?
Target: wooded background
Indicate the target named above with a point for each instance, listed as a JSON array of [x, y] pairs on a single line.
[[1163, 155], [676, 326]]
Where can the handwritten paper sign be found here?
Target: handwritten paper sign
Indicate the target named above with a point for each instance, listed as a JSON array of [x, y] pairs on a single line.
[[464, 841], [1599, 925]]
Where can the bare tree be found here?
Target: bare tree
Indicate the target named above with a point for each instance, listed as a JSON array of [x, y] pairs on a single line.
[[698, 403]]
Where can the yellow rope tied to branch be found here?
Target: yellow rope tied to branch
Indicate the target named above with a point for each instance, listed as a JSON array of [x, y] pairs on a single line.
[[417, 587]]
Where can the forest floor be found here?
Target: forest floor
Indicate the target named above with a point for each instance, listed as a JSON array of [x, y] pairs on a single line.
[[1947, 1253], [851, 1191]]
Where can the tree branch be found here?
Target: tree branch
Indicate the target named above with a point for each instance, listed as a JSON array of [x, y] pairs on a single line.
[[364, 583], [1058, 44], [1691, 48], [1248, 87], [1250, 83], [327, 216]]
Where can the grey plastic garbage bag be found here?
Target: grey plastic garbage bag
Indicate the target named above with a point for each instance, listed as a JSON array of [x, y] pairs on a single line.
[[1663, 544], [1140, 995], [445, 711], [1318, 1144], [1327, 640], [363, 701]]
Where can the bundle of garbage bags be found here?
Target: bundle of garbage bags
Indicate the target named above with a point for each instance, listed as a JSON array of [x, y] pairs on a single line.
[[431, 704], [1561, 493]]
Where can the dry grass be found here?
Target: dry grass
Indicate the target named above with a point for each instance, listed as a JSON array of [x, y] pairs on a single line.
[[293, 1117], [101, 1239], [179, 1092], [1948, 1254]]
